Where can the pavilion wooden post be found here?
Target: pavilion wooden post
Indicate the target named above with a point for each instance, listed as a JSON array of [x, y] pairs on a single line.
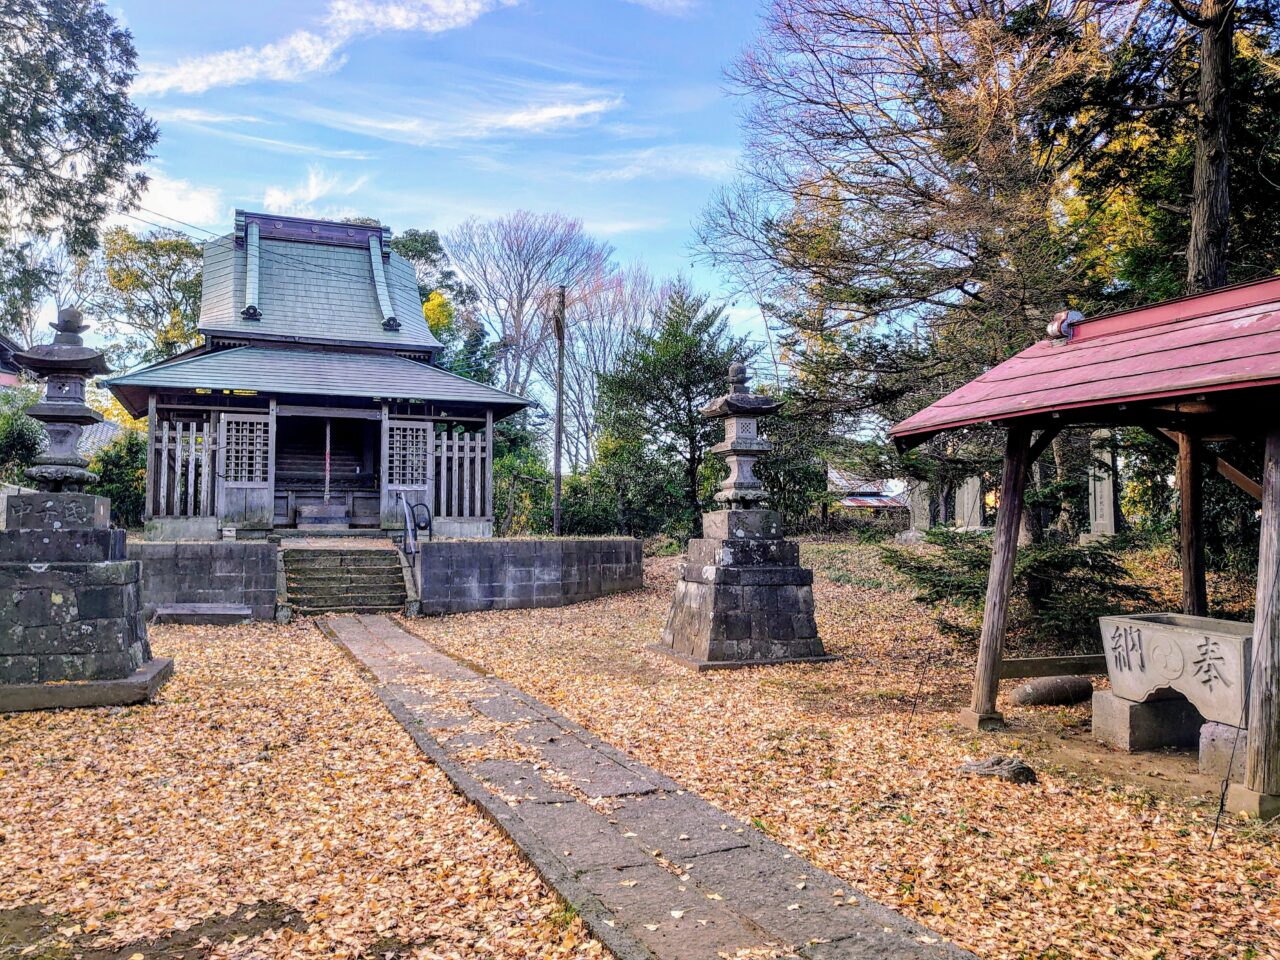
[[1190, 492], [1259, 795], [1017, 458], [149, 510]]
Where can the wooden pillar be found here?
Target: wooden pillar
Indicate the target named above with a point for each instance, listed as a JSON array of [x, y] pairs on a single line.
[[1191, 496], [488, 464], [328, 447], [1017, 457], [148, 510], [1259, 795]]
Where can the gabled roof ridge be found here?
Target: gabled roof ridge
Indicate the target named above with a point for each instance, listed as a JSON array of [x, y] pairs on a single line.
[[1235, 296]]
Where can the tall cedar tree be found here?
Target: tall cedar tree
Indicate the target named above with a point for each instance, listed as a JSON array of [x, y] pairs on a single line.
[[664, 379], [71, 141]]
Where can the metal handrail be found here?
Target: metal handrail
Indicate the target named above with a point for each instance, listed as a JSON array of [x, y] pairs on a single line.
[[410, 543]]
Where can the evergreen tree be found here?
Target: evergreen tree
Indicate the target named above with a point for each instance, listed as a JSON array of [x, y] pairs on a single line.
[[654, 396]]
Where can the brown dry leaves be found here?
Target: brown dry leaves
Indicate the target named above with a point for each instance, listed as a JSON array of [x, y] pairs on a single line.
[[830, 760], [267, 772]]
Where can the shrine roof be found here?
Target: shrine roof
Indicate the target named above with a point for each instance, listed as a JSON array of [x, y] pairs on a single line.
[[1227, 340], [275, 370], [317, 281]]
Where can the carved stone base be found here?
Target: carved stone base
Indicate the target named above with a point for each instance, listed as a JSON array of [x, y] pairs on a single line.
[[71, 613], [742, 600], [1132, 727]]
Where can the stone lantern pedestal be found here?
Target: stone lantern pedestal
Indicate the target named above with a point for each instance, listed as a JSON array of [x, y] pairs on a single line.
[[742, 598], [72, 632]]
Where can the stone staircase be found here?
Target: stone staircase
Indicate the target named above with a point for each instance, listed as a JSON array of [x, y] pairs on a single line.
[[322, 580]]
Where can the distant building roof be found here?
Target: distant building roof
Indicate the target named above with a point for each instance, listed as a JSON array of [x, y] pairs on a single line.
[[8, 365], [1217, 343], [313, 373], [296, 279], [859, 492], [96, 436], [841, 481]]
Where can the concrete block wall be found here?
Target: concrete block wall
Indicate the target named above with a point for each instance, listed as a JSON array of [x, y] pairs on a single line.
[[227, 571], [457, 576]]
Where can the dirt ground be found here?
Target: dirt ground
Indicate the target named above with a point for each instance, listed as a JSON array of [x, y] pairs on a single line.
[[854, 764]]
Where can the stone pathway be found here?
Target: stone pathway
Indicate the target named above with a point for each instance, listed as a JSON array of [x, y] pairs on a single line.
[[654, 870]]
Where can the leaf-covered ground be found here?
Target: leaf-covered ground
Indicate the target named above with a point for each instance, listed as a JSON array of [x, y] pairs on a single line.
[[269, 806], [854, 765]]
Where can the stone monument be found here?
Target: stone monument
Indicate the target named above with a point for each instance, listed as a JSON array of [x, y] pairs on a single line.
[[742, 598], [72, 633]]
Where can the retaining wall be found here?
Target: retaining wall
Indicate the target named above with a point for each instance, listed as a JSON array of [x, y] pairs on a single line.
[[226, 571], [456, 576]]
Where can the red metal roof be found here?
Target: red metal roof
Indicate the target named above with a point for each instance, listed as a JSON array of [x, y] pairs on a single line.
[[1227, 339]]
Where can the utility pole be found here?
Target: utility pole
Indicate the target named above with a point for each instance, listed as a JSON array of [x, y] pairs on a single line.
[[555, 497]]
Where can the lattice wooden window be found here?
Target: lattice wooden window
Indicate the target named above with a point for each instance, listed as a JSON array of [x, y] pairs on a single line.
[[247, 450], [409, 455]]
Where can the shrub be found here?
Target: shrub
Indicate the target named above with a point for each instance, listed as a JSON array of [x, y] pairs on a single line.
[[121, 467], [1059, 589], [21, 438]]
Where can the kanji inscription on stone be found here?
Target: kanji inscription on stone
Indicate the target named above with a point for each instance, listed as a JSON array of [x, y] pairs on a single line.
[[1201, 658]]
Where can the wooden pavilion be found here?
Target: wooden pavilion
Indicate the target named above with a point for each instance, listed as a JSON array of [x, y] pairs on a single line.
[[1199, 368], [314, 400]]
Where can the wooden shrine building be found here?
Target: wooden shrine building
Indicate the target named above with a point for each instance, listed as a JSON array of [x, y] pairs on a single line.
[[314, 399], [1191, 370]]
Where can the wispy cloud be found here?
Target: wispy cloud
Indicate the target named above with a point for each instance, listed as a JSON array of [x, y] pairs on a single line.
[[198, 116], [305, 53], [674, 161], [613, 228], [469, 124], [303, 199], [677, 8]]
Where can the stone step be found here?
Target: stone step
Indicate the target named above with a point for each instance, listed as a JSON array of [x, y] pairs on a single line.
[[306, 610], [202, 614], [348, 591], [321, 564]]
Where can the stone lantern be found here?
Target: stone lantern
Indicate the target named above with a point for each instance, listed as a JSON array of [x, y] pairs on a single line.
[[742, 598], [72, 632], [65, 365]]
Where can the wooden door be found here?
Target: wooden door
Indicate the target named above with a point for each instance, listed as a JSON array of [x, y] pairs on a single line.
[[408, 466], [246, 471]]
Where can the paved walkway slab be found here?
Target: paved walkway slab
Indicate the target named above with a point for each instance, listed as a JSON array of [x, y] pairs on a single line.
[[656, 872]]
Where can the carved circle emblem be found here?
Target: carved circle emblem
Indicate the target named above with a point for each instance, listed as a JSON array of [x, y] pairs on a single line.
[[1167, 659]]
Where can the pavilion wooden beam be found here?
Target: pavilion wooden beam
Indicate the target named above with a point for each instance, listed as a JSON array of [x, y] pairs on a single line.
[[1225, 468], [1195, 600], [1259, 795], [982, 714]]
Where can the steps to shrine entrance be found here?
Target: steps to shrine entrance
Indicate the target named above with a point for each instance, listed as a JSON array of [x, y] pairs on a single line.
[[321, 580]]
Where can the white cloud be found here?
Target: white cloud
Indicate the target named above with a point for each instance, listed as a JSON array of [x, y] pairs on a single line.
[[167, 198], [529, 118], [305, 53], [677, 8], [665, 162], [301, 199]]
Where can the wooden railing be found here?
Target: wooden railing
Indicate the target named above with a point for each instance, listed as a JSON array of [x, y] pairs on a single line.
[[180, 470]]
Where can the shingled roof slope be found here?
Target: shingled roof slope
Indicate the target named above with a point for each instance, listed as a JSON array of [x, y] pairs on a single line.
[[311, 373], [316, 283]]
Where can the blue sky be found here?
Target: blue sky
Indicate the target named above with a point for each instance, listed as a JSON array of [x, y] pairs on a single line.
[[425, 112]]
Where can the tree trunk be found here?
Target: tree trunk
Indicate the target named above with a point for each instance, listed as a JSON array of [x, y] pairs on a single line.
[[1211, 197]]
